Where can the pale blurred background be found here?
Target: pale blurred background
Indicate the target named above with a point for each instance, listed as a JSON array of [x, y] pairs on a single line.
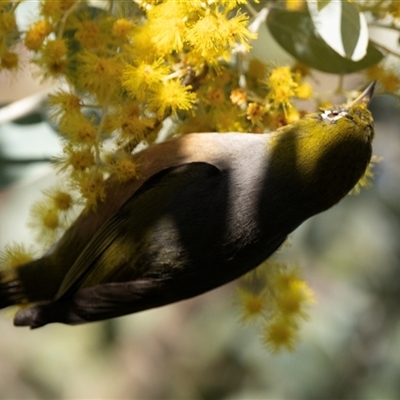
[[350, 347]]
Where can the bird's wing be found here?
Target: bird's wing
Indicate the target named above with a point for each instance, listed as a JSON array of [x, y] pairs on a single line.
[[94, 263], [99, 243], [211, 148]]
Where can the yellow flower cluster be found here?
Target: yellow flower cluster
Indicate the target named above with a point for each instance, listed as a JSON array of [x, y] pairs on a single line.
[[366, 179], [275, 299], [127, 73], [387, 76], [262, 103], [9, 58], [15, 254], [49, 217], [284, 84]]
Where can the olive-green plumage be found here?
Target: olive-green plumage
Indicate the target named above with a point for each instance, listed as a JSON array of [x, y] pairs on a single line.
[[207, 209]]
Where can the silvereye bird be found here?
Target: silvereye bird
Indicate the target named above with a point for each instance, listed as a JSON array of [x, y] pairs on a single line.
[[208, 208]]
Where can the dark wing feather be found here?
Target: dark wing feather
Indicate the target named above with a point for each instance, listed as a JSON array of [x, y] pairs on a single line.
[[94, 264], [87, 259]]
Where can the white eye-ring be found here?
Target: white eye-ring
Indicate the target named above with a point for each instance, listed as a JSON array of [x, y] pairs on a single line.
[[333, 115]]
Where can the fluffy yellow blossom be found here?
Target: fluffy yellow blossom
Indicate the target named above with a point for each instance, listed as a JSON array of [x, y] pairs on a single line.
[[388, 77], [292, 115], [206, 36], [9, 60], [88, 34], [375, 73], [275, 119], [390, 81], [215, 96], [80, 131], [62, 200], [55, 49], [145, 76], [53, 56], [304, 91], [394, 10], [130, 122], [238, 97], [142, 38], [211, 35], [295, 5], [91, 187], [170, 37], [231, 4], [36, 34], [280, 334], [255, 112], [282, 87], [54, 9], [122, 27], [252, 305], [274, 296], [280, 98], [237, 32], [226, 119], [63, 104], [49, 218], [125, 169], [99, 75], [45, 221], [283, 278], [366, 180], [291, 301], [172, 97], [325, 105], [7, 22], [14, 255], [80, 160]]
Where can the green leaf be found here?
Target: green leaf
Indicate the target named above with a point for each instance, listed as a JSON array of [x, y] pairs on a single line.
[[342, 27], [295, 32], [350, 28]]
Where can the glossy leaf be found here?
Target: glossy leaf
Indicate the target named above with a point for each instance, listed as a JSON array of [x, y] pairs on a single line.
[[296, 33], [351, 34], [342, 27]]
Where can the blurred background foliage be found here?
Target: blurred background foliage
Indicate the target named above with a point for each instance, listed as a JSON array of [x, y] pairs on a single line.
[[196, 349]]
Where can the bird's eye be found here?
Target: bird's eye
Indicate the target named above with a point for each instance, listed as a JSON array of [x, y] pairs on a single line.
[[333, 115]]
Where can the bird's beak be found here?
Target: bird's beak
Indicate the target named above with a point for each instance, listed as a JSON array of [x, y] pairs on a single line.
[[365, 96]]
